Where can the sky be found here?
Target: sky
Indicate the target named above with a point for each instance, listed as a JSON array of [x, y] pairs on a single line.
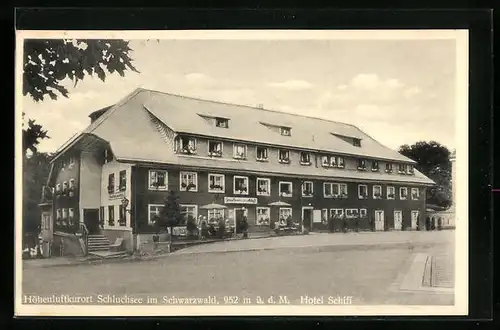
[[397, 91]]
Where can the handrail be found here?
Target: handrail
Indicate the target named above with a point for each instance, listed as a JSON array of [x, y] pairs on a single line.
[[85, 236]]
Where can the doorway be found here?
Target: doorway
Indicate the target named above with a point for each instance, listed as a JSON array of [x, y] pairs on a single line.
[[414, 219], [379, 220], [398, 220], [91, 220], [239, 215], [307, 217]]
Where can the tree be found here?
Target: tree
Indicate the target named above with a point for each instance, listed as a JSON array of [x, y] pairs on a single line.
[[47, 62], [433, 160], [171, 214]]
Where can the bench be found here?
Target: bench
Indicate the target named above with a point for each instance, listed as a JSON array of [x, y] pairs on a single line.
[[117, 244]]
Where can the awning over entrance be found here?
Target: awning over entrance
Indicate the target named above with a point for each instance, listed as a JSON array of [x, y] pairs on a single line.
[[279, 203], [213, 206]]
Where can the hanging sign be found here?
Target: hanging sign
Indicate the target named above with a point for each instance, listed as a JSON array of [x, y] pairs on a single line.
[[240, 200], [118, 195]]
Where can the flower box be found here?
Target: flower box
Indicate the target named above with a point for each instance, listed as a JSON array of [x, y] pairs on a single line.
[[363, 197], [305, 163], [215, 153], [388, 171], [325, 165], [375, 169], [307, 193], [284, 161], [216, 187], [361, 168], [377, 197], [262, 160], [390, 196]]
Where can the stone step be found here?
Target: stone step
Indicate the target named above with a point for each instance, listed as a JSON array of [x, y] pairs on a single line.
[[98, 248]]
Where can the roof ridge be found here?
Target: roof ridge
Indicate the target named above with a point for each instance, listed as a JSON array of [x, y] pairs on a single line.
[[249, 106]]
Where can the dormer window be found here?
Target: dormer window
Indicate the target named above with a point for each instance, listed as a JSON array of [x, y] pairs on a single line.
[[402, 169], [222, 122], [361, 164], [285, 131], [388, 168], [108, 157], [284, 156], [333, 161], [240, 151], [215, 149], [305, 158], [261, 154], [356, 142], [325, 161], [186, 145], [411, 169], [340, 162], [374, 166]]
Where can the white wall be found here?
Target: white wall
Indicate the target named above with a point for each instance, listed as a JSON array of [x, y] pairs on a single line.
[[115, 199], [90, 182]]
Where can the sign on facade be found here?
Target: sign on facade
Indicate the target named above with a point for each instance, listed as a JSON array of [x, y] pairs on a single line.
[[240, 200], [115, 196], [317, 216]]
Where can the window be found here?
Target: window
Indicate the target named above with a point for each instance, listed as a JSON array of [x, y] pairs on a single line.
[[111, 183], [336, 213], [415, 193], [263, 216], [101, 216], [71, 161], [330, 189], [286, 131], [72, 184], [154, 213], [325, 161], [305, 158], [65, 185], [158, 180], [377, 192], [411, 169], [391, 192], [45, 221], [285, 213], [65, 213], [263, 187], [58, 187], [362, 191], [216, 183], [214, 216], [351, 213], [363, 213], [388, 168], [240, 151], [108, 157], [71, 213], [189, 181], [123, 180], [111, 215], [324, 215], [361, 164], [375, 166], [222, 122], [307, 189], [191, 212], [403, 193], [59, 214], [343, 190], [402, 168], [63, 164], [185, 145], [215, 149], [333, 161], [261, 153], [341, 162], [122, 215], [284, 156], [285, 189], [240, 185], [356, 142]]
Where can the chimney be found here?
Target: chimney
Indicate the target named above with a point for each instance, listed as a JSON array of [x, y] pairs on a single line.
[[98, 113], [260, 106]]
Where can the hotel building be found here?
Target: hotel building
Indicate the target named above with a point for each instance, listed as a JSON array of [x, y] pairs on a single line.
[[259, 163]]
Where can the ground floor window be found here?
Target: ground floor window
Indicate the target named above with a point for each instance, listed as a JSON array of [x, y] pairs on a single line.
[[351, 213], [285, 213], [263, 216], [324, 215], [122, 220], [363, 213], [336, 212], [214, 216], [154, 213], [111, 215], [188, 211], [46, 221]]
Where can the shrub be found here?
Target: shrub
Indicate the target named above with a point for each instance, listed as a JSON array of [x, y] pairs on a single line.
[[439, 224], [191, 225]]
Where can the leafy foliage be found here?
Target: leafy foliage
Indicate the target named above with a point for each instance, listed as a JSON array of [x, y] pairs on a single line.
[[433, 160], [32, 135], [171, 214]]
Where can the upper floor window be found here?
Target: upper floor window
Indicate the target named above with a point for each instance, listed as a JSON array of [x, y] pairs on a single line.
[[72, 184], [388, 168], [71, 161], [285, 189], [215, 148], [391, 192], [286, 131], [108, 157], [158, 180], [284, 156], [403, 193], [377, 192], [123, 180], [402, 168], [325, 161], [65, 213], [240, 151], [71, 213], [343, 190], [330, 189], [185, 145], [411, 169], [361, 164], [188, 181], [362, 191], [111, 183], [65, 185], [261, 153], [415, 193], [263, 187], [216, 183], [356, 142], [307, 189], [340, 162], [222, 122], [240, 185], [305, 158], [375, 166]]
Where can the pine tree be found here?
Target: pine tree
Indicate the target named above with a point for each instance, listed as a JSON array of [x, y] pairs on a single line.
[[172, 215]]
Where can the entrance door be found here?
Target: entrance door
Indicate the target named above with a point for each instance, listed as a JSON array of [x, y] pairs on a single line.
[[239, 214], [414, 219], [398, 220], [91, 220], [379, 220], [307, 217]]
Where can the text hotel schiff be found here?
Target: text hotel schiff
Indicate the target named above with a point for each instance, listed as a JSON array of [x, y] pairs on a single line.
[[242, 157]]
